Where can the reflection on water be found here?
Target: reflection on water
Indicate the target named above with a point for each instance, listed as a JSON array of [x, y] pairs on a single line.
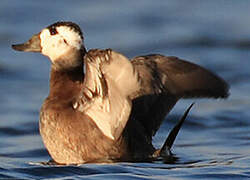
[[214, 141]]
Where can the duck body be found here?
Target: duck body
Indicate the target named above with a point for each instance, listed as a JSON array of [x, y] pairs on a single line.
[[78, 137], [71, 136], [111, 110]]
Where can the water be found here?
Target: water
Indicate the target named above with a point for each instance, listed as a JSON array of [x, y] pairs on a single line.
[[214, 142]]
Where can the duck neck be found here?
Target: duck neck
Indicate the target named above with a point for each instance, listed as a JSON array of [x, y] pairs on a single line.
[[66, 76], [67, 83]]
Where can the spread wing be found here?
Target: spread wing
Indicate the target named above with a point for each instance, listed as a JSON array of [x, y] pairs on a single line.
[[154, 83], [164, 80], [178, 77], [109, 78]]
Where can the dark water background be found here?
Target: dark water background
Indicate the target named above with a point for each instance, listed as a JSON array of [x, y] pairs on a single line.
[[214, 142]]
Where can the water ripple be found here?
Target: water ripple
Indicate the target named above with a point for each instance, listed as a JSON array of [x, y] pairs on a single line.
[[214, 140]]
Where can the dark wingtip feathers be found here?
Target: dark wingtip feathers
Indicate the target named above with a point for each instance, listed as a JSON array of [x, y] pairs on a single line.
[[225, 91]]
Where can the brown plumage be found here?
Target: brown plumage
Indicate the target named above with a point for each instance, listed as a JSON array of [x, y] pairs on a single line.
[[111, 111]]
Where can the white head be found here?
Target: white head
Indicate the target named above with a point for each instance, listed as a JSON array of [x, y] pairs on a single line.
[[58, 41], [59, 38]]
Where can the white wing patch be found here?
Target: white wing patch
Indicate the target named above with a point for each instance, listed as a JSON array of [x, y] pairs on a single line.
[[110, 117], [109, 80]]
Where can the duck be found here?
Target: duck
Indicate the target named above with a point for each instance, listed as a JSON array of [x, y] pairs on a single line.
[[104, 107]]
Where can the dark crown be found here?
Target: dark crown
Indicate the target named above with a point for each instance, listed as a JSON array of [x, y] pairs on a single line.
[[72, 25]]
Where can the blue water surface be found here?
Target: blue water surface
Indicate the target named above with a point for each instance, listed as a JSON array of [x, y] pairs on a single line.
[[214, 142]]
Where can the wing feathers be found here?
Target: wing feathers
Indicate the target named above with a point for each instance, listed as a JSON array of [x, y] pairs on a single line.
[[109, 80], [154, 83], [180, 78], [164, 80]]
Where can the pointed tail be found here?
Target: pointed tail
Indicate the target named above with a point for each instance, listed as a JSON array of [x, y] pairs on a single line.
[[165, 150]]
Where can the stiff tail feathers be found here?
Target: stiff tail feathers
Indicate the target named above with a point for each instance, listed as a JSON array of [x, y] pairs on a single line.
[[165, 149]]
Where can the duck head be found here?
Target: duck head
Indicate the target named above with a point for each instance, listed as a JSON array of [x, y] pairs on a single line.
[[62, 42]]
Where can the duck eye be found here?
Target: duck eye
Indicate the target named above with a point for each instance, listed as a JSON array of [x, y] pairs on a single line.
[[53, 31]]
